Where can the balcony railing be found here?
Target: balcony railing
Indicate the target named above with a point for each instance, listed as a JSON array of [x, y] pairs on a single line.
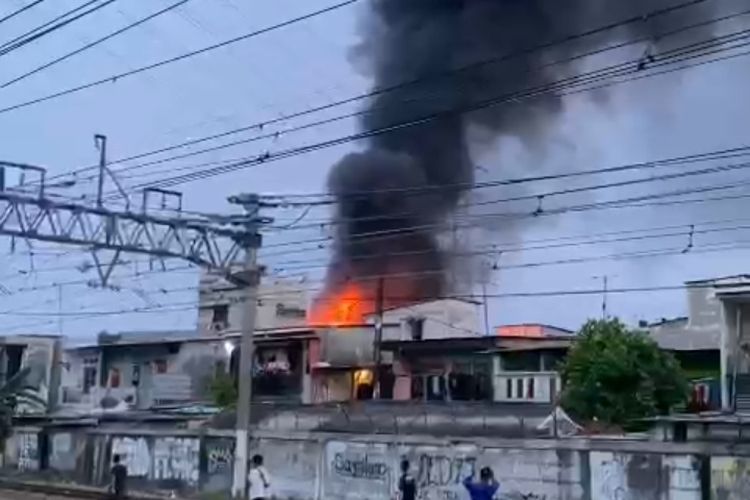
[[527, 387]]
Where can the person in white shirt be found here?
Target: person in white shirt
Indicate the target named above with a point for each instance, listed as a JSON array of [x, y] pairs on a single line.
[[259, 479]]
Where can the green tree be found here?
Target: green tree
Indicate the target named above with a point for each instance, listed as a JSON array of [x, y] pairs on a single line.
[[615, 376], [223, 390], [15, 391]]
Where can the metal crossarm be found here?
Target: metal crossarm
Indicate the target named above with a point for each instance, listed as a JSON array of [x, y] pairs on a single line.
[[201, 242]]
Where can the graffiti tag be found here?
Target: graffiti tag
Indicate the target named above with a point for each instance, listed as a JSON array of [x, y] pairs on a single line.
[[359, 468], [220, 459]]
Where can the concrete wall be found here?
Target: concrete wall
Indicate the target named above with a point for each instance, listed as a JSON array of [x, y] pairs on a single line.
[[313, 466]]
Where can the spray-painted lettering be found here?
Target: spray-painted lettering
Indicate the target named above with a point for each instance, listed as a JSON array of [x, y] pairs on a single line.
[[220, 458], [439, 477], [134, 454], [359, 467], [28, 451], [176, 458]]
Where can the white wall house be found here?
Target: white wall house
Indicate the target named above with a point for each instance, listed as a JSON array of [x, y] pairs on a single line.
[[281, 304]]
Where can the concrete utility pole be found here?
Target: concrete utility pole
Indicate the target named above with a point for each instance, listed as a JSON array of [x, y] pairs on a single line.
[[377, 351], [101, 143], [249, 277]]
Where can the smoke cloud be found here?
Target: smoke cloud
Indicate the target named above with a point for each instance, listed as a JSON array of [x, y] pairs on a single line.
[[385, 225]]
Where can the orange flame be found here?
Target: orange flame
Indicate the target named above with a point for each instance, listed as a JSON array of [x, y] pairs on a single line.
[[339, 308]]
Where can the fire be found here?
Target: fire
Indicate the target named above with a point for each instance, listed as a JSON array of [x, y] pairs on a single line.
[[339, 308]]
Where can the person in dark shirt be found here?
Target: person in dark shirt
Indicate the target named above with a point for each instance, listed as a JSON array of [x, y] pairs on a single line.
[[119, 476], [485, 488], [407, 484]]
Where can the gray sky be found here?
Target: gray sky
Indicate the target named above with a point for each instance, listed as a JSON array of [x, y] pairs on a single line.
[[307, 64]]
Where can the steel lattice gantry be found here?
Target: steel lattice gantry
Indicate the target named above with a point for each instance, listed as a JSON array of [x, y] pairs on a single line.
[[202, 242]]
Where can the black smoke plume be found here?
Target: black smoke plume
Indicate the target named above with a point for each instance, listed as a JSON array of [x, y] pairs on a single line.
[[388, 224]]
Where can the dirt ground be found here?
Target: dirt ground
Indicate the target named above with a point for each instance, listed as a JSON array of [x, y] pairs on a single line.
[[25, 495]]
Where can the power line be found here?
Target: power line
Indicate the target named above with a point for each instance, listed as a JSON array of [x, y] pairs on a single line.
[[620, 70], [92, 44], [542, 196], [19, 11], [35, 34], [423, 78], [181, 57], [618, 203], [498, 251], [48, 23]]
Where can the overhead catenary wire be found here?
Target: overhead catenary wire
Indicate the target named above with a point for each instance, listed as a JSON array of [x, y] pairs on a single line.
[[93, 44], [47, 24], [264, 159], [297, 151], [174, 59], [186, 306], [622, 202], [38, 33], [286, 131], [260, 159], [420, 79], [20, 10]]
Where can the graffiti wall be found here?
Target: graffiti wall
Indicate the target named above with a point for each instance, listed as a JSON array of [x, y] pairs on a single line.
[[28, 451], [366, 467], [176, 459], [134, 453], [357, 470], [169, 461], [295, 475], [641, 476], [730, 478], [219, 464], [440, 471]]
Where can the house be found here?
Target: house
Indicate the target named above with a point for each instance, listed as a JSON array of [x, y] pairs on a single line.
[[281, 304], [147, 370], [514, 366], [713, 341], [40, 354], [346, 361]]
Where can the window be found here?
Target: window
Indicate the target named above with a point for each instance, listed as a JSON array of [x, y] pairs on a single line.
[[416, 328], [90, 372], [89, 378], [160, 366], [136, 377], [220, 316], [114, 378]]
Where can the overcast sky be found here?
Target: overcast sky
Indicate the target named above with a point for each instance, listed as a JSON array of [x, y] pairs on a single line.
[[307, 64]]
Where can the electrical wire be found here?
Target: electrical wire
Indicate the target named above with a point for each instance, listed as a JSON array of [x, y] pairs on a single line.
[[338, 118], [35, 34], [420, 79], [617, 203], [297, 151], [96, 42], [16, 12], [181, 57]]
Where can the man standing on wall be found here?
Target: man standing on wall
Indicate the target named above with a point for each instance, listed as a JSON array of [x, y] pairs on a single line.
[[119, 475], [259, 479]]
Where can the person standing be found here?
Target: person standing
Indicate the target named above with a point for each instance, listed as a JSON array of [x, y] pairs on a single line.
[[259, 479], [407, 484], [485, 488], [119, 475]]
